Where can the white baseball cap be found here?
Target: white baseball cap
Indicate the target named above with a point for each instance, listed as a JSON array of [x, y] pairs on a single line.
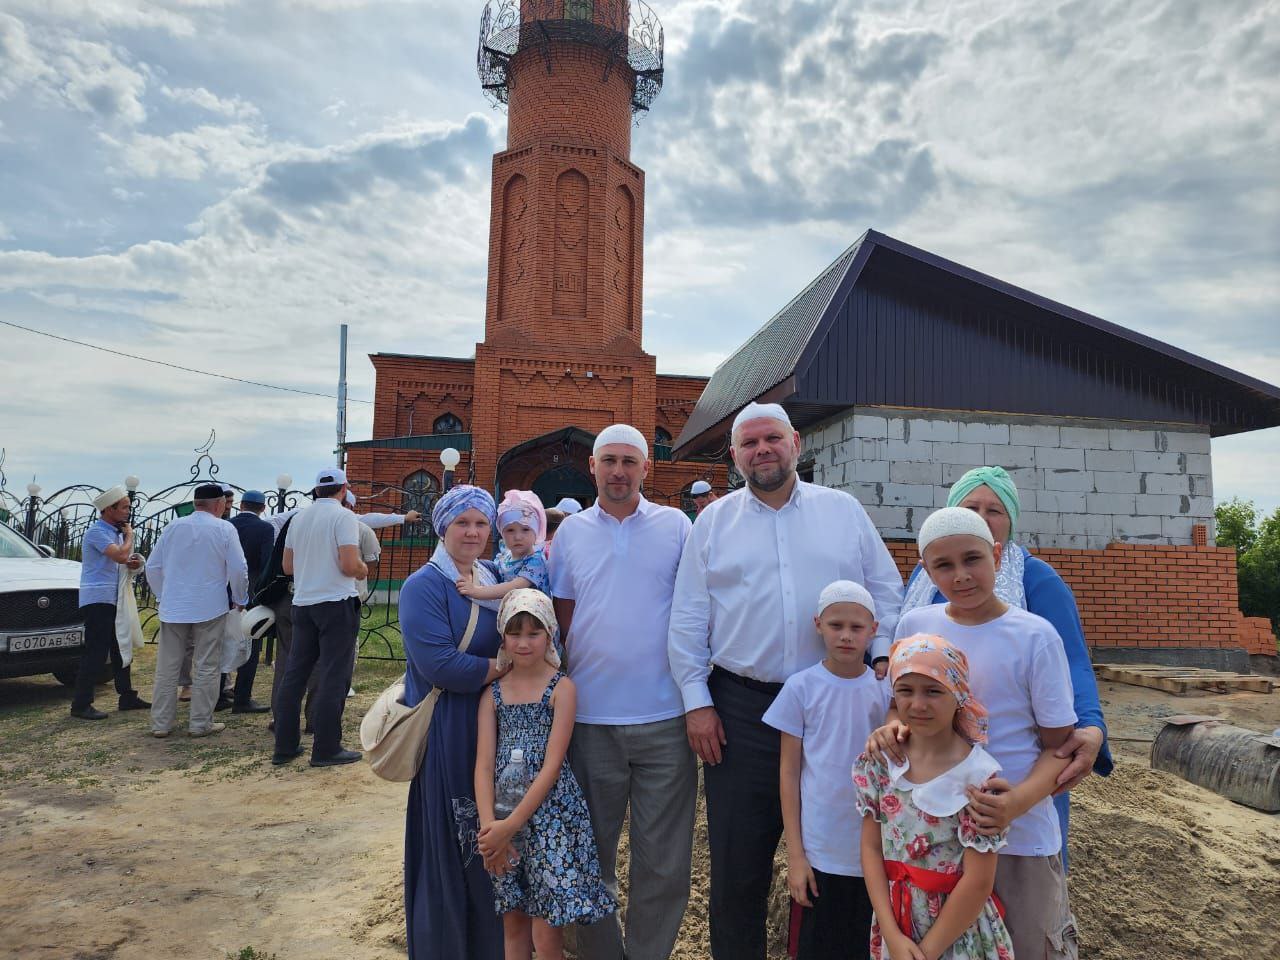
[[331, 478]]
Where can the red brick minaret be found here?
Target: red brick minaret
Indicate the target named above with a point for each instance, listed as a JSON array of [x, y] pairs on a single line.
[[562, 343]]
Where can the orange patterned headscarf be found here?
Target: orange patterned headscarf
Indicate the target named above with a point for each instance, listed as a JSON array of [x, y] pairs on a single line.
[[934, 657]]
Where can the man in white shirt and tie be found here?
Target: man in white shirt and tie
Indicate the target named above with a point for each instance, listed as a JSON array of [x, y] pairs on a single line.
[[196, 558], [613, 570], [741, 624]]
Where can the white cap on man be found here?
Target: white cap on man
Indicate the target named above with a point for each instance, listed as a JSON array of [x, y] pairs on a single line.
[[568, 505], [332, 477], [700, 488], [621, 433], [110, 497], [760, 411]]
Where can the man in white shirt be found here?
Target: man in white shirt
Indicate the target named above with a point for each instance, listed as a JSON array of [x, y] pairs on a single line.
[[612, 575], [741, 624], [190, 568], [322, 554]]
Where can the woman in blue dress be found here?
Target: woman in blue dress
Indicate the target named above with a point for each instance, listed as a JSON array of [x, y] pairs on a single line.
[[448, 896], [1028, 582]]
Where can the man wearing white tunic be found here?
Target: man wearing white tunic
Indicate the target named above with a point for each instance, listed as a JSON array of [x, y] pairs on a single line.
[[741, 624]]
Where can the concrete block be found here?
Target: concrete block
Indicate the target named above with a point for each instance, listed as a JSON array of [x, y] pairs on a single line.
[[914, 471], [1138, 528], [1201, 508], [951, 472], [1080, 481], [946, 431], [910, 449], [867, 471], [1054, 501], [1109, 460], [1059, 458], [1027, 478], [1178, 441], [1089, 524], [1158, 504], [832, 433], [1110, 503], [1034, 435], [1037, 522], [1009, 457], [1089, 438], [1177, 529], [1199, 463], [907, 495], [967, 453], [1145, 462], [865, 425], [843, 452], [940, 495], [867, 493], [869, 449], [1098, 542], [1105, 482], [997, 433], [1201, 486], [1133, 439], [896, 427], [887, 518], [1165, 483], [1066, 541]]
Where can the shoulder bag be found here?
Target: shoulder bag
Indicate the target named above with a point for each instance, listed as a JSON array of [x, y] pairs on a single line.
[[393, 735]]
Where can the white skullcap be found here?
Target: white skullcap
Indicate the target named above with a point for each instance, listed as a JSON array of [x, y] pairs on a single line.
[[568, 505], [760, 411], [950, 522], [699, 488], [621, 433], [845, 591], [109, 498]]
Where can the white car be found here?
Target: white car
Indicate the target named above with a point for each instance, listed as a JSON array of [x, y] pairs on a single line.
[[41, 628]]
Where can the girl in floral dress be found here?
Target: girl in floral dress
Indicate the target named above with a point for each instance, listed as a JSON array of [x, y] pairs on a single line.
[[928, 872], [553, 878]]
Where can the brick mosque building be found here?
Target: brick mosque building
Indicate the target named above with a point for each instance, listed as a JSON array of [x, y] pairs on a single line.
[[562, 355]]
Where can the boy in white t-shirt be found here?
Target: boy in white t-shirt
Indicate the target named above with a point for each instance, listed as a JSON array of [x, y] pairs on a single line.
[[825, 714], [1018, 669]]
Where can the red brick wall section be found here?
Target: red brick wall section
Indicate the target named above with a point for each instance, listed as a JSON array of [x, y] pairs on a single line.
[[1132, 595]]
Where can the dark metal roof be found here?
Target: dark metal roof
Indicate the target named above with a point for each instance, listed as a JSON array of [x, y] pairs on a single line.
[[886, 323], [420, 441]]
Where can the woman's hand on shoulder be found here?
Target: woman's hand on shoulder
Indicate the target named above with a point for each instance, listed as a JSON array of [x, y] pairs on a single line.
[[496, 670], [885, 743]]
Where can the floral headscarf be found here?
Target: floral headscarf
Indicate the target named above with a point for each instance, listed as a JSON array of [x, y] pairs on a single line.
[[538, 605], [934, 657], [458, 501]]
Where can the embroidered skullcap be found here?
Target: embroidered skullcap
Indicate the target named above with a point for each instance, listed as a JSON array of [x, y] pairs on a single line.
[[950, 522], [568, 505], [700, 488], [845, 591], [538, 605], [760, 411], [109, 498], [458, 501], [523, 507], [935, 657], [621, 433], [1001, 484]]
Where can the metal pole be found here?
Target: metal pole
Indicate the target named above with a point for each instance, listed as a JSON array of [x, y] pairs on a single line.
[[32, 502], [342, 397]]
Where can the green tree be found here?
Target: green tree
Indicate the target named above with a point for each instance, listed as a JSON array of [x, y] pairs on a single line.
[[1258, 556]]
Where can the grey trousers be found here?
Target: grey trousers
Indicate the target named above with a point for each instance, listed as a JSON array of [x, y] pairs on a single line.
[[651, 767], [206, 639]]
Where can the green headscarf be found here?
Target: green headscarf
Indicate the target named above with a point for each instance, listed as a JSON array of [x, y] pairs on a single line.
[[998, 479]]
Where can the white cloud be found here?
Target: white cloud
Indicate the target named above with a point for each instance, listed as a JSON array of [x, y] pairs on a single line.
[[207, 150], [233, 107]]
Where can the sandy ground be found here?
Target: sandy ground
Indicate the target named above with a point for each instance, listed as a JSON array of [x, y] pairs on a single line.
[[116, 845]]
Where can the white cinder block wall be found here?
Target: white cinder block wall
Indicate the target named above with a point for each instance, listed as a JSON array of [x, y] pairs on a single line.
[[1082, 483]]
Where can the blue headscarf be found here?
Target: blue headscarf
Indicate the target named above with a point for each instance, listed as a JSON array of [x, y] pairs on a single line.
[[458, 501]]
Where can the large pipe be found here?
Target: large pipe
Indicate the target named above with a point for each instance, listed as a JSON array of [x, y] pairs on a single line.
[[1241, 765]]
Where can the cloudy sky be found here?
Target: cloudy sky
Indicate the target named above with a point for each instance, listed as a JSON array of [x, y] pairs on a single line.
[[219, 184]]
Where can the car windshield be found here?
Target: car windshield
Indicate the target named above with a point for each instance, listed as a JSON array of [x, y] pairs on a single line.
[[14, 546]]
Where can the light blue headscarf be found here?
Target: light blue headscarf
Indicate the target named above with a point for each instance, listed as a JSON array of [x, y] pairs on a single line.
[[458, 501]]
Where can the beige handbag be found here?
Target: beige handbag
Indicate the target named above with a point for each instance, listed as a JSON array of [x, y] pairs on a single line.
[[394, 736]]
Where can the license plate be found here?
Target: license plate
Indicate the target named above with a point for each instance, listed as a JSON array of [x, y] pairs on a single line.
[[46, 641]]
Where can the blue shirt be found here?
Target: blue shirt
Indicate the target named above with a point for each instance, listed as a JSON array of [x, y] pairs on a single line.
[[99, 574]]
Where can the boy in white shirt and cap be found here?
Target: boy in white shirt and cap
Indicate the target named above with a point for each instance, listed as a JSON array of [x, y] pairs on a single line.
[[825, 714]]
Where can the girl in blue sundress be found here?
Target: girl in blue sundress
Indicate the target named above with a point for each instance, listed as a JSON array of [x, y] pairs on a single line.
[[553, 878]]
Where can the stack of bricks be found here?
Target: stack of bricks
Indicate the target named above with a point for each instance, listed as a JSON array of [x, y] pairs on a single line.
[[1132, 595]]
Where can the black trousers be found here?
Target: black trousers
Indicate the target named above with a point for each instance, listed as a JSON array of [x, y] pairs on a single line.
[[99, 644], [324, 639], [838, 925], [744, 819], [245, 675]]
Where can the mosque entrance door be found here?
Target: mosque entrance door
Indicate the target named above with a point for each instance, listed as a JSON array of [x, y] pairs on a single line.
[[553, 466]]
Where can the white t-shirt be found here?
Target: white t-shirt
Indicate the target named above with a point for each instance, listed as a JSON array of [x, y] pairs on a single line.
[[1018, 671], [620, 576], [314, 537], [833, 716]]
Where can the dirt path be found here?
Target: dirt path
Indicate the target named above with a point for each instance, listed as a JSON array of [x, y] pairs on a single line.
[[116, 845]]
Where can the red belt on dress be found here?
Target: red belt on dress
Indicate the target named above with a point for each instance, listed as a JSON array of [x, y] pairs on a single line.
[[903, 876]]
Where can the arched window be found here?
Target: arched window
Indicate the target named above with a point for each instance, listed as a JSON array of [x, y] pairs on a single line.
[[448, 423], [419, 492], [578, 9], [662, 437]]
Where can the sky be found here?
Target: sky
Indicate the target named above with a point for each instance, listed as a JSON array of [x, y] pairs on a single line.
[[219, 184]]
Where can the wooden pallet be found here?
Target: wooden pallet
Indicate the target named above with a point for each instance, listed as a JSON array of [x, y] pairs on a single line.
[[1181, 679]]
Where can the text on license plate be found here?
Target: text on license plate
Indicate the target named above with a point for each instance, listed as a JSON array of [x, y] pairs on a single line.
[[46, 641]]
